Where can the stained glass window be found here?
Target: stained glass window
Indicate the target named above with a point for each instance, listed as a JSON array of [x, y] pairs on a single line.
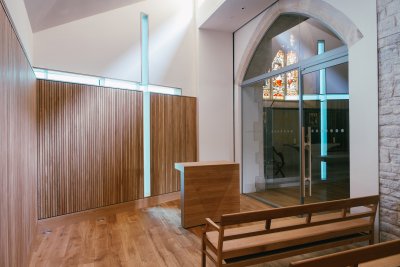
[[267, 90], [278, 87], [292, 76], [292, 83], [291, 58], [279, 60], [283, 85], [278, 82]]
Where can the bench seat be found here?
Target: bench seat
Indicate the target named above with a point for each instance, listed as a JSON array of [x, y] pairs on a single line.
[[279, 240], [385, 254]]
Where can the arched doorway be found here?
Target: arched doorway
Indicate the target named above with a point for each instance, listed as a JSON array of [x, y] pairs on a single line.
[[295, 115]]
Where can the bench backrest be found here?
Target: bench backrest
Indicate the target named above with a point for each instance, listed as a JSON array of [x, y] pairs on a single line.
[[368, 203], [335, 205], [353, 257]]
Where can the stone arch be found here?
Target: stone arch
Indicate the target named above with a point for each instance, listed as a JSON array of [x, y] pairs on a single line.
[[332, 18]]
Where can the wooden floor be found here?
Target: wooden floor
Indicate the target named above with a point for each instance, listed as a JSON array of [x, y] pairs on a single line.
[[149, 236], [289, 196]]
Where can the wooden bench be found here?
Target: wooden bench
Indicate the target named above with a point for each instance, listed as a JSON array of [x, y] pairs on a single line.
[[254, 237], [385, 254]]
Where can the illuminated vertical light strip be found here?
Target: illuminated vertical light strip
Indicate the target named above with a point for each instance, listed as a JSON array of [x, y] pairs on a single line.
[[146, 101], [323, 112]]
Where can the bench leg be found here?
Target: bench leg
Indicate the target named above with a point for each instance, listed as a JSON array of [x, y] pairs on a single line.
[[372, 237], [219, 259], [203, 253]]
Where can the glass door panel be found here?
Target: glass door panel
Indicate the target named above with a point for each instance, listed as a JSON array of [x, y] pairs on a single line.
[[271, 143], [281, 153], [325, 122]]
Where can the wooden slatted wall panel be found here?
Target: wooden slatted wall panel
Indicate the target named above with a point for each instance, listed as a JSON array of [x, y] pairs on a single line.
[[90, 147], [18, 149], [173, 139]]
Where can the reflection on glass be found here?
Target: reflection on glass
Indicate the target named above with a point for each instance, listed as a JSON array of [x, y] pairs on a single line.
[[326, 110], [336, 82]]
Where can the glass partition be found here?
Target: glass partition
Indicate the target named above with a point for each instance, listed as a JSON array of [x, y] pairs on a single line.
[[295, 116], [326, 123]]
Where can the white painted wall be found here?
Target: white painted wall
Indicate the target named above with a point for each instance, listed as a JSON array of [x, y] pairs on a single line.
[[215, 95], [363, 84], [19, 15], [108, 44], [205, 8]]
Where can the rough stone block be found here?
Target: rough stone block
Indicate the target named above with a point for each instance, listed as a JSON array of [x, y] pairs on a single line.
[[390, 131], [387, 175], [392, 7], [384, 156], [385, 167], [390, 202], [387, 236]]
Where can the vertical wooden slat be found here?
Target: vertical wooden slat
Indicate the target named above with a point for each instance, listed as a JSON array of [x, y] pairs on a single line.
[[85, 134], [173, 139], [4, 252], [91, 145]]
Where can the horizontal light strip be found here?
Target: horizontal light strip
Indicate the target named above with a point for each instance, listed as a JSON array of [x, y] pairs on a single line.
[[338, 97], [163, 90], [60, 76], [120, 84], [319, 97]]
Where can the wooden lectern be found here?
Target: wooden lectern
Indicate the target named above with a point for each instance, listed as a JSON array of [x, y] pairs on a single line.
[[208, 189]]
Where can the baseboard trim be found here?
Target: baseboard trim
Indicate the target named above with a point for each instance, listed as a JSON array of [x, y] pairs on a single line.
[[50, 223]]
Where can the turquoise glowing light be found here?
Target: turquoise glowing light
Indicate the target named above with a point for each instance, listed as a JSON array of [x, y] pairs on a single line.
[[324, 112], [146, 102]]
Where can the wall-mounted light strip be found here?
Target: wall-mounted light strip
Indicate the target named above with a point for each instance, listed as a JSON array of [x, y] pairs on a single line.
[[323, 112], [60, 76], [144, 22], [319, 97]]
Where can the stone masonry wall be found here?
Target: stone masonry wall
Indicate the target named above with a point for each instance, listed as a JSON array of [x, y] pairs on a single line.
[[389, 116]]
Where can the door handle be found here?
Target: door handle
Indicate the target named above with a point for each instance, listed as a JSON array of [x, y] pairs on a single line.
[[306, 146]]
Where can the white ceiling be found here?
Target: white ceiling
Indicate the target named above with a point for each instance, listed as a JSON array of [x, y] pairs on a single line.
[[44, 14], [233, 14]]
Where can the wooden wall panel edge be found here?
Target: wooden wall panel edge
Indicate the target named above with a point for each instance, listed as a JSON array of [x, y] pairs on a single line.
[[10, 19], [21, 114], [166, 111]]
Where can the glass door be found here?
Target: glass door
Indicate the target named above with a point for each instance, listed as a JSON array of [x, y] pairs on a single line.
[[296, 150], [281, 153], [295, 115], [325, 168], [271, 144]]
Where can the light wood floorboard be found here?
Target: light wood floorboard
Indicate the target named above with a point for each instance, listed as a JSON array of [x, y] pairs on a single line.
[[150, 236], [288, 196]]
